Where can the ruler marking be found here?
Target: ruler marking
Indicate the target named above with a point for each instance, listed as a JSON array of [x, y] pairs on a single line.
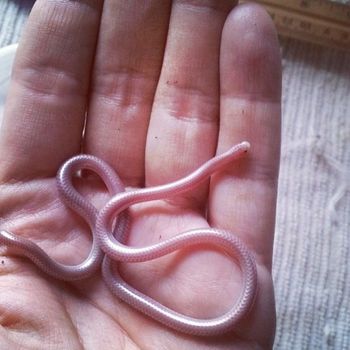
[[316, 8], [305, 25], [302, 21]]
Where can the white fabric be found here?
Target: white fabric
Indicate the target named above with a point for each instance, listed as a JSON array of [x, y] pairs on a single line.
[[7, 55], [312, 245]]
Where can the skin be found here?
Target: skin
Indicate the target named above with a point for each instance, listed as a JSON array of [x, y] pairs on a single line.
[[166, 86]]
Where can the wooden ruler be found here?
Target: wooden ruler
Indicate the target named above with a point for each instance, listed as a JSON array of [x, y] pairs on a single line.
[[318, 21]]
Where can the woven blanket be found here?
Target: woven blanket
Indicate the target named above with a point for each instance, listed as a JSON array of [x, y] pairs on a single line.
[[312, 242]]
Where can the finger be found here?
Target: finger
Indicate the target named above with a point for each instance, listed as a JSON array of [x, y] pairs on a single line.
[[184, 122], [243, 199], [45, 109], [127, 68]]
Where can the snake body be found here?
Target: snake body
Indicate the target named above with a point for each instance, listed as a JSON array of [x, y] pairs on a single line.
[[109, 242]]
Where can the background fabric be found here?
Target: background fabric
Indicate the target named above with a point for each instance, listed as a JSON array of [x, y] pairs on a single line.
[[312, 242]]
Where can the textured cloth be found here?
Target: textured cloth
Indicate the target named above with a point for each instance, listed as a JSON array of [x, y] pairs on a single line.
[[345, 2], [12, 17], [312, 244]]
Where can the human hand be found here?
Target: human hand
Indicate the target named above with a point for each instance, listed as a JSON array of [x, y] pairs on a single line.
[[155, 116]]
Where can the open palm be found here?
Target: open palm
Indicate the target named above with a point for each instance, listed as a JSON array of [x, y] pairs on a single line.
[[161, 87]]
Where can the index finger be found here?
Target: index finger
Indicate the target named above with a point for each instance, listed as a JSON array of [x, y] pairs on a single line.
[[243, 199]]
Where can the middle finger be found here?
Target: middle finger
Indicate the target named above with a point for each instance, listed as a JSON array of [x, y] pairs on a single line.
[[185, 117]]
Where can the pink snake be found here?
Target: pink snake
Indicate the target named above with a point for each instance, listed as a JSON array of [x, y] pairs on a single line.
[[110, 234]]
